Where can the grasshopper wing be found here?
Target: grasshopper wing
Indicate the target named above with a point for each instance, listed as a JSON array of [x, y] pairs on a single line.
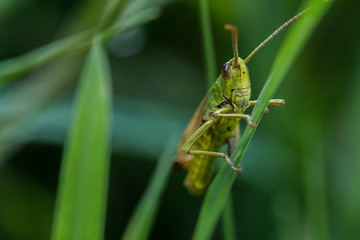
[[183, 160]]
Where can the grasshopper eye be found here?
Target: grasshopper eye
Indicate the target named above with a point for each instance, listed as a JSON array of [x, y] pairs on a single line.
[[225, 72]]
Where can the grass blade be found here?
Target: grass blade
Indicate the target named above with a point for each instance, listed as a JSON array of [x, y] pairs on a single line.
[[109, 13], [228, 221], [218, 193], [11, 7], [208, 42], [81, 200], [349, 196], [142, 219], [314, 178], [16, 67]]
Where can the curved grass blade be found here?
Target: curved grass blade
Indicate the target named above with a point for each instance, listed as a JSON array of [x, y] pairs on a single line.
[[14, 68], [11, 7], [143, 217], [110, 12], [218, 192], [53, 77], [81, 200]]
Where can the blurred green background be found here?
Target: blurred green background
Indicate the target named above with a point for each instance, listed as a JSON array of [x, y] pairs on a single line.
[[301, 171]]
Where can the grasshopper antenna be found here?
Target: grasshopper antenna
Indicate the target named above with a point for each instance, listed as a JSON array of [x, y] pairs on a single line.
[[274, 34], [234, 31]]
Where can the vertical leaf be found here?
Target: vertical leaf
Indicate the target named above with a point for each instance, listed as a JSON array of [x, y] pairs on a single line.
[[228, 221], [81, 200], [143, 217], [208, 42], [350, 177], [314, 178]]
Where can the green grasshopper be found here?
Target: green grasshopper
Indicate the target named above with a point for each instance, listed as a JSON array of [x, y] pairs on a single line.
[[217, 118]]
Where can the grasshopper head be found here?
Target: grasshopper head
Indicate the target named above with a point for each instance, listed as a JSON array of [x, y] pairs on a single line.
[[234, 76], [235, 81]]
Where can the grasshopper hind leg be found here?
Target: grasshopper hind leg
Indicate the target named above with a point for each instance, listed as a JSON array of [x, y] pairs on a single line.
[[195, 137], [217, 154], [232, 142]]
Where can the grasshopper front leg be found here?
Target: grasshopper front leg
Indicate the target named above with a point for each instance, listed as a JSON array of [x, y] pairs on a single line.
[[247, 117], [272, 102]]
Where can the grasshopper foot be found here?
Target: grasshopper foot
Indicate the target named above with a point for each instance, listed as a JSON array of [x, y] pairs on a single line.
[[251, 123], [231, 164], [238, 170], [266, 111]]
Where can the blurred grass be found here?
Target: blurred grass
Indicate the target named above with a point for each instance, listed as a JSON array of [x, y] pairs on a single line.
[[81, 201], [349, 197], [8, 7], [25, 193], [208, 42], [109, 13], [20, 102], [219, 189], [228, 221], [15, 68], [143, 218], [316, 223]]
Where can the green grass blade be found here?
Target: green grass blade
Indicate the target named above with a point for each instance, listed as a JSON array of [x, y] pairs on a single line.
[[208, 42], [110, 12], [136, 19], [81, 200], [16, 67], [218, 193], [349, 196], [228, 221], [11, 7], [314, 177], [143, 217]]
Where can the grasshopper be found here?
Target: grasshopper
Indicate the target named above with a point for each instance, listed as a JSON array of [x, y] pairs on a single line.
[[217, 118]]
